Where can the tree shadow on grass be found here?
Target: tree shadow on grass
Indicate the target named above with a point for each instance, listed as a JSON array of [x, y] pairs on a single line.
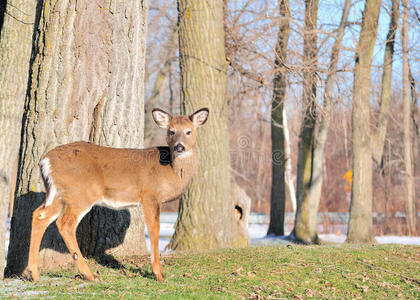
[[108, 261], [142, 272]]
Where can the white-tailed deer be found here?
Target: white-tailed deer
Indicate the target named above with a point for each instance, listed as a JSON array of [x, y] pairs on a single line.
[[79, 175]]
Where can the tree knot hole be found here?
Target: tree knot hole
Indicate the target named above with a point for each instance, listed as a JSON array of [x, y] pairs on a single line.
[[238, 211]]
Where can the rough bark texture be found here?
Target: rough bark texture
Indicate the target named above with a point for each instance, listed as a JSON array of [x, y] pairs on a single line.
[[315, 188], [278, 160], [378, 138], [15, 52], [360, 221], [206, 213], [307, 131], [157, 86], [86, 84], [242, 204], [410, 208]]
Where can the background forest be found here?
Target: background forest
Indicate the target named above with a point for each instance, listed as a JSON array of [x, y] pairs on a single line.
[[251, 30], [313, 108]]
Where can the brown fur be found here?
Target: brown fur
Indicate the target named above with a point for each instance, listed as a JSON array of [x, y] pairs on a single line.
[[85, 174]]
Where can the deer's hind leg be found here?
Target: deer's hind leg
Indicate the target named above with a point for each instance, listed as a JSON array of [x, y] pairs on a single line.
[[42, 217], [67, 225]]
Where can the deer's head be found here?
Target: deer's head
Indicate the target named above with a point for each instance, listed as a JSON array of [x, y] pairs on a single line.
[[181, 130]]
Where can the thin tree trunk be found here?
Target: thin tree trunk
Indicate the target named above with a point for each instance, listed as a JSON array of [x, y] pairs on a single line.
[[416, 129], [306, 143], [387, 166], [15, 53], [278, 161], [315, 188], [86, 84], [407, 122], [206, 212], [288, 158], [360, 221], [378, 137]]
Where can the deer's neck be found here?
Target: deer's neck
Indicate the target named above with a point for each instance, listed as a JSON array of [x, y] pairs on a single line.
[[184, 165]]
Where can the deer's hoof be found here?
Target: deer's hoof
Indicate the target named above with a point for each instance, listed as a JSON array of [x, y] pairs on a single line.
[[159, 277], [31, 275]]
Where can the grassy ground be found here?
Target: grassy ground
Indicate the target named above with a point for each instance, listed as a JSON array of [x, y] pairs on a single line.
[[300, 272]]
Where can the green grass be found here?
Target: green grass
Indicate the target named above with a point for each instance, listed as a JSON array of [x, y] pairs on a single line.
[[299, 272]]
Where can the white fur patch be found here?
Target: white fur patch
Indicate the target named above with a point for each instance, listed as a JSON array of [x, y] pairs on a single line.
[[46, 174], [41, 215], [115, 204], [183, 154], [53, 218], [81, 216]]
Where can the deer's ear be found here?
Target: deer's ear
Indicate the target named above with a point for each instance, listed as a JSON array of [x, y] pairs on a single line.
[[161, 117], [199, 117]]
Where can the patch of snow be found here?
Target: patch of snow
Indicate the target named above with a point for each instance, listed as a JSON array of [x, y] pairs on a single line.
[[257, 231], [333, 238], [403, 240]]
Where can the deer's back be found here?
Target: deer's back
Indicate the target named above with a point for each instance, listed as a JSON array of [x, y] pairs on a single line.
[[96, 172]]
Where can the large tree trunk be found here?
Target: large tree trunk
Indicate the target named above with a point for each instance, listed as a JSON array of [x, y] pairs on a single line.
[[360, 221], [158, 84], [86, 84], [378, 138], [306, 144], [206, 212], [278, 161], [318, 158], [410, 208], [15, 52]]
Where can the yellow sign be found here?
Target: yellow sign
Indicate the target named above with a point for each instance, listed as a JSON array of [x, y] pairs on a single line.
[[349, 178]]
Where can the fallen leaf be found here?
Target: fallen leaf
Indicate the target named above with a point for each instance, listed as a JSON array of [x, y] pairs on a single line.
[[251, 273], [238, 271]]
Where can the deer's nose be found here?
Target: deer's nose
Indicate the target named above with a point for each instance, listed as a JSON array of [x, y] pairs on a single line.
[[179, 148]]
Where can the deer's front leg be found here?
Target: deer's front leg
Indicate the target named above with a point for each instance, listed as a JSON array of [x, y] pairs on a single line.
[[151, 209]]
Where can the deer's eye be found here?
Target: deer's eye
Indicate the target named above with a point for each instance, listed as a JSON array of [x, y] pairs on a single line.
[[188, 132], [171, 132]]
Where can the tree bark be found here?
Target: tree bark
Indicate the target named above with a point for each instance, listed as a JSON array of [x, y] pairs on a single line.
[[378, 138], [306, 143], [206, 212], [410, 208], [15, 52], [158, 84], [360, 221], [315, 188], [288, 158], [416, 129], [278, 160], [86, 84]]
